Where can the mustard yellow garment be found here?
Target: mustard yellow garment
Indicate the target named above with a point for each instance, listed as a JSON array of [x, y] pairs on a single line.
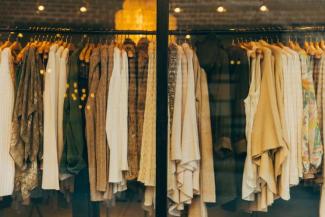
[[269, 149]]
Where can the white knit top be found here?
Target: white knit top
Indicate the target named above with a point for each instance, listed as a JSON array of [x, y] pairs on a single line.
[[7, 166]]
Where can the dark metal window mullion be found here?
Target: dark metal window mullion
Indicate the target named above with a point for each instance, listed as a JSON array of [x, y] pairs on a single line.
[[162, 107]]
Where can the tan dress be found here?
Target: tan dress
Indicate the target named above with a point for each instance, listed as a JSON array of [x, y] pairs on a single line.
[[175, 122], [267, 135], [207, 182], [282, 156], [95, 195], [142, 74], [101, 142], [133, 157], [147, 172]]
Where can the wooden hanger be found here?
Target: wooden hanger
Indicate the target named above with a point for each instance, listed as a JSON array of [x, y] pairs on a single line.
[[120, 44], [322, 44], [309, 47], [297, 46], [84, 50], [291, 44], [311, 44], [21, 54], [7, 43], [320, 52], [16, 46], [70, 44], [280, 44], [263, 42], [34, 41], [88, 52], [249, 45], [65, 43], [41, 48], [48, 45]]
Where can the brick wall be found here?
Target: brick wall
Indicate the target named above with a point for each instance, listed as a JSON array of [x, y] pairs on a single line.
[[58, 12], [195, 13], [202, 14]]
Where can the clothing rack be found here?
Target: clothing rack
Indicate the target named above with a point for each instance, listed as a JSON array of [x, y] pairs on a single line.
[[70, 31], [86, 31], [255, 30], [229, 30]]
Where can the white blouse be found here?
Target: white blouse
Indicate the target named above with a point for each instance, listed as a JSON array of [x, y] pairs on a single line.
[[50, 179], [250, 183], [7, 165], [175, 149], [188, 168], [61, 93], [116, 120]]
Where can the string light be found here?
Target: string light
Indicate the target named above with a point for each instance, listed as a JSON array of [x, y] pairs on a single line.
[[83, 9], [177, 10], [264, 8], [221, 9], [41, 7], [188, 36]]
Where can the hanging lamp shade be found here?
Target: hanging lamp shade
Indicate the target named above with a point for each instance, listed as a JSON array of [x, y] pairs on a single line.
[[139, 15]]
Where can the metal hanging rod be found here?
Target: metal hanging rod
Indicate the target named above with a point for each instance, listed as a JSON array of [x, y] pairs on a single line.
[[253, 30], [79, 31], [221, 31]]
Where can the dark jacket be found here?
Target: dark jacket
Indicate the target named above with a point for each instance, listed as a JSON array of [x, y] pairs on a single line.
[[72, 157]]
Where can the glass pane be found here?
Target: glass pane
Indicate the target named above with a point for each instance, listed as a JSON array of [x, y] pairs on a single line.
[[81, 141], [246, 107]]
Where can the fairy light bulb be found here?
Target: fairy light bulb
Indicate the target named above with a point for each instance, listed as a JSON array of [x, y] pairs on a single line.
[[177, 10], [188, 36], [83, 9], [264, 8], [41, 7], [221, 9]]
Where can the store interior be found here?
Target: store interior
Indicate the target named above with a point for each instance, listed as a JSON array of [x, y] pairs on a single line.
[[206, 23]]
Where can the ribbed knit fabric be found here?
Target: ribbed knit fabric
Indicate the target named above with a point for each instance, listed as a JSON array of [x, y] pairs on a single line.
[[7, 167]]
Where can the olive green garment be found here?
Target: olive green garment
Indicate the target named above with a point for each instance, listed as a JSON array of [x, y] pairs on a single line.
[[72, 157]]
